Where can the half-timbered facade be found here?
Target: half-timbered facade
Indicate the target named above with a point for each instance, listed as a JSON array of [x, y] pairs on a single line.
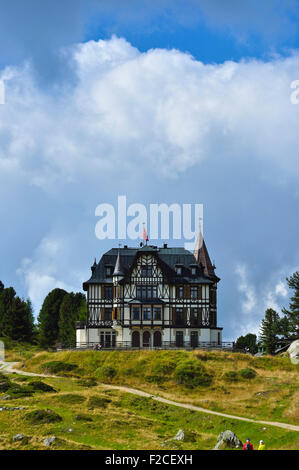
[[151, 297]]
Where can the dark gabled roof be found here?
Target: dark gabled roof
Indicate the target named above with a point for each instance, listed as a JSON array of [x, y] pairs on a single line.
[[168, 258]]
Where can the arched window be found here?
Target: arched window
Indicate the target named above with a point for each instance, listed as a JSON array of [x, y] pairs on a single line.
[[157, 339], [135, 339]]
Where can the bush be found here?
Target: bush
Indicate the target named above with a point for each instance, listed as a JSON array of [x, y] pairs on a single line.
[[42, 417], [231, 376], [106, 373], [16, 391], [192, 374], [156, 379], [247, 373], [56, 367], [83, 417], [88, 382], [98, 402], [163, 366], [71, 398], [39, 386]]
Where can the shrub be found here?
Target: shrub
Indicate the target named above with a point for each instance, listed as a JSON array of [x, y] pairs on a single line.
[[39, 386], [247, 373], [106, 373], [231, 376], [163, 366], [16, 391], [42, 417], [192, 374], [98, 402], [58, 367], [83, 417], [156, 379], [71, 398], [88, 382]]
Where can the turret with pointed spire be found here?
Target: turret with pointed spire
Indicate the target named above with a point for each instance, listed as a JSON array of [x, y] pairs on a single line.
[[202, 256], [93, 267], [118, 269]]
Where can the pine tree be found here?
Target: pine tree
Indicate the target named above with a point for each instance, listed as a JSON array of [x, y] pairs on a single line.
[[269, 330], [248, 341], [48, 318], [292, 314], [72, 309], [1, 286], [6, 298], [18, 320]]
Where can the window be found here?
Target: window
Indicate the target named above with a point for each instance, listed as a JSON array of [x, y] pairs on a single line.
[[157, 313], [146, 313], [179, 338], [108, 271], [193, 270], [136, 313], [195, 316], [194, 339], [108, 339], [146, 271], [108, 292], [108, 314], [179, 316], [146, 292], [180, 292], [179, 270], [194, 292]]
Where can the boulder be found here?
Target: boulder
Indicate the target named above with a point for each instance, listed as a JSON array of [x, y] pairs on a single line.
[[49, 441], [180, 436], [18, 437], [293, 352], [228, 439]]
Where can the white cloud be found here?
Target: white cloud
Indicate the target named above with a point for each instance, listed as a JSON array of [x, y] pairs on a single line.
[[256, 298], [280, 289], [248, 291], [158, 109], [47, 268]]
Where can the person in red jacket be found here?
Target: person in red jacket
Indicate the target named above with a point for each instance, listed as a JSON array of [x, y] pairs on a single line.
[[248, 445]]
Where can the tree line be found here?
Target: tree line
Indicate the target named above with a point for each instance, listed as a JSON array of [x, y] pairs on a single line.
[[276, 330], [56, 322]]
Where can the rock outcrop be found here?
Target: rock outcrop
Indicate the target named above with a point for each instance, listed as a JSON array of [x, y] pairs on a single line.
[[228, 439]]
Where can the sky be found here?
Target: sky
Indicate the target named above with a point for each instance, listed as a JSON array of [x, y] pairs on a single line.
[[185, 102]]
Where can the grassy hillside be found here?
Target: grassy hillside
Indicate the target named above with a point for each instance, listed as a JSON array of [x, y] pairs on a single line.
[[85, 415], [259, 388]]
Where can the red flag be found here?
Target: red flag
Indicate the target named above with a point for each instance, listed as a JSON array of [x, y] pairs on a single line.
[[144, 235]]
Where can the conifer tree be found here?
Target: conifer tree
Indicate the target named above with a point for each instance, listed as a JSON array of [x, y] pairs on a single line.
[[247, 342], [292, 314], [72, 309], [6, 298], [269, 330], [48, 318]]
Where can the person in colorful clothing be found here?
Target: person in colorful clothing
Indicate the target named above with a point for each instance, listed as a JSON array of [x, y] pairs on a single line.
[[262, 446], [248, 445]]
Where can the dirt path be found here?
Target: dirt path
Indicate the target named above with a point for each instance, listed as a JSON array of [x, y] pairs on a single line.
[[8, 367]]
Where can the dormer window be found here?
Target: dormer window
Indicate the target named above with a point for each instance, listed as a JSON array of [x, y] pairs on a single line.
[[193, 271], [179, 270], [108, 271]]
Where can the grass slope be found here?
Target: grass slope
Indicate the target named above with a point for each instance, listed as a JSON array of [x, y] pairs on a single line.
[[96, 417], [255, 387]]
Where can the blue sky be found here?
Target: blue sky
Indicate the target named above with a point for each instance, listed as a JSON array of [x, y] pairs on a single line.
[[185, 102]]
